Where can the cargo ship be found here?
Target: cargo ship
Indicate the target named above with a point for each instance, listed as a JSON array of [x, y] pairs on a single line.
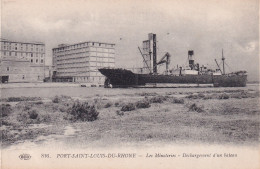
[[192, 74]]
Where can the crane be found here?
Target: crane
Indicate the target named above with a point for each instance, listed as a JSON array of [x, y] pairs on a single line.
[[165, 59], [218, 65], [145, 60]]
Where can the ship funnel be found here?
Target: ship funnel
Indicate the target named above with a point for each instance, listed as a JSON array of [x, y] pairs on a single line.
[[191, 59]]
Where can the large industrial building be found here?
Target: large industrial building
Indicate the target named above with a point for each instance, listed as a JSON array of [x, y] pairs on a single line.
[[80, 62], [22, 61]]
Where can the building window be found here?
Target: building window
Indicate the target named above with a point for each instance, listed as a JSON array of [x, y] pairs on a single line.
[[31, 55], [7, 68], [99, 44], [93, 43], [36, 60], [41, 60], [23, 76], [38, 77], [31, 60], [15, 54]]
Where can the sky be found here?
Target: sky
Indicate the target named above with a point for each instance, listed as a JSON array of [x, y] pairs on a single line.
[[205, 26]]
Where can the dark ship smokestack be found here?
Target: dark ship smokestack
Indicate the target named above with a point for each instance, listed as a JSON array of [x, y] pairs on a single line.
[[191, 59]]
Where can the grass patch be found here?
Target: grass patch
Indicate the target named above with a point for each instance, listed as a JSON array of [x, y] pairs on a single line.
[[18, 99], [158, 99], [178, 100], [142, 104], [195, 107], [223, 96], [5, 110], [119, 113], [33, 114], [147, 94], [108, 105], [128, 107]]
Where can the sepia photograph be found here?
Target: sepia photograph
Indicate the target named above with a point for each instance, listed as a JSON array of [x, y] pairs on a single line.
[[129, 84]]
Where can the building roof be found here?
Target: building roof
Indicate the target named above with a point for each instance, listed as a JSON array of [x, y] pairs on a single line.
[[66, 45], [11, 41]]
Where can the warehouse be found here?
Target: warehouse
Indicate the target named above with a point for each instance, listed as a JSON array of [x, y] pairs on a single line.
[[80, 62]]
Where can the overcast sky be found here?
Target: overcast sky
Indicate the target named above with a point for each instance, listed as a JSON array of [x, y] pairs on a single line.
[[205, 26]]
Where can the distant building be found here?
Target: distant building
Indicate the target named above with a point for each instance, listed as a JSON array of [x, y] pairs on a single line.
[[19, 70], [80, 62], [31, 51], [22, 61]]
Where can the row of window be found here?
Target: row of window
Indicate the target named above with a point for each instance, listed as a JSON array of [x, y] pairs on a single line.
[[22, 44], [22, 54], [86, 49], [83, 55], [83, 59], [36, 61], [85, 52], [8, 68], [22, 49]]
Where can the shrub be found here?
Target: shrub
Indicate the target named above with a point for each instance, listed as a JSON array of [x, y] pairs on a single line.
[[38, 102], [5, 110], [196, 108], [147, 94], [157, 99], [207, 97], [119, 113], [33, 114], [116, 104], [56, 99], [27, 107], [107, 105], [178, 101], [83, 112], [142, 104], [62, 109], [201, 95], [223, 96], [128, 107], [191, 96]]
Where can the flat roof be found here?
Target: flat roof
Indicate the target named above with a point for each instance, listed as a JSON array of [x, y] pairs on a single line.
[[11, 41], [66, 45]]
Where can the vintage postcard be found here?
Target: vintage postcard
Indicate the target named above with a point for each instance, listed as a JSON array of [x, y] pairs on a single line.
[[129, 84]]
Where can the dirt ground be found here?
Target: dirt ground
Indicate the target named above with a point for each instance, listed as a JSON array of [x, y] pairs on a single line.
[[224, 116]]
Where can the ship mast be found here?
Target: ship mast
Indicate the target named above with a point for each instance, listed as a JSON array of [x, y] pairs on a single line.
[[153, 38], [223, 61]]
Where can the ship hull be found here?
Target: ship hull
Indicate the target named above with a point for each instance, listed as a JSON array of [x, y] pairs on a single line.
[[126, 78]]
